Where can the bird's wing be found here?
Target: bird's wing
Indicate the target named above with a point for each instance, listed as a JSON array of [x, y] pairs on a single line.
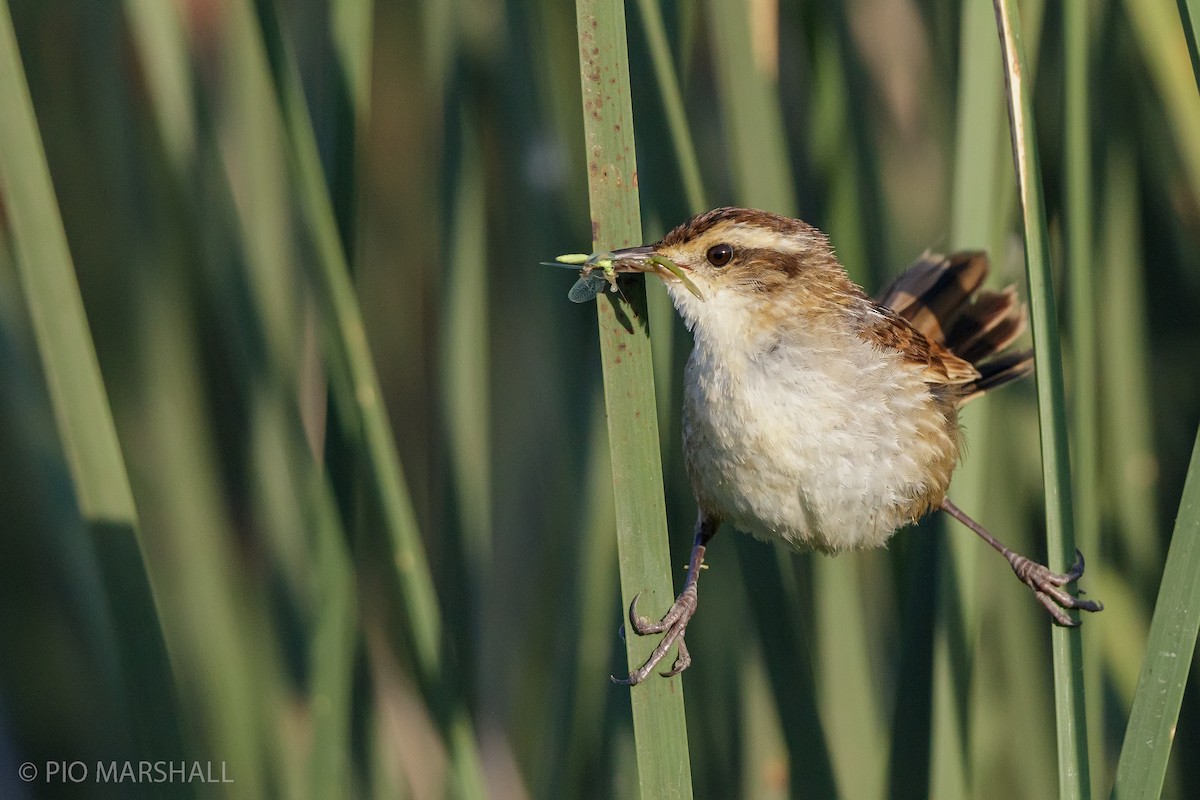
[[934, 290], [886, 329]]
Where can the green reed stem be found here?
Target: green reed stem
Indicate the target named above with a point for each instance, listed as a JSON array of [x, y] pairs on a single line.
[[658, 720], [1067, 648]]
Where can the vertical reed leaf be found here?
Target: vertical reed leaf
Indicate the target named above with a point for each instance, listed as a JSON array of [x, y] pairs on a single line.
[[467, 394], [658, 722], [81, 408], [751, 112], [1127, 385], [358, 405], [672, 100], [55, 306], [1169, 653], [1077, 156], [1153, 24], [592, 621], [1191, 30], [1078, 193], [1067, 647]]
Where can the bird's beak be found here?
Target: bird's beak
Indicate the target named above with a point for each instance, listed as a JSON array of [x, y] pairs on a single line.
[[634, 259], [645, 258]]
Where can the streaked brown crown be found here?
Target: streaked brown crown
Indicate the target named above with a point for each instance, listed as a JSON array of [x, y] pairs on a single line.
[[697, 226], [771, 254]]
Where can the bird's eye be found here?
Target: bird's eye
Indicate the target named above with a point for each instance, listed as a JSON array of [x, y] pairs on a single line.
[[719, 255]]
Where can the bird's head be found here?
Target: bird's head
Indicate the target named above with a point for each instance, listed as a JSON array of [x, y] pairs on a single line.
[[756, 261]]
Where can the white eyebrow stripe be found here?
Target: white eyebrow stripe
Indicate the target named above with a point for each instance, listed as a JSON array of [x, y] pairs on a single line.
[[753, 237]]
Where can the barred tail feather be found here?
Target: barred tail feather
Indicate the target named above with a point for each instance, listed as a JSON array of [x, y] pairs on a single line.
[[997, 372], [940, 297]]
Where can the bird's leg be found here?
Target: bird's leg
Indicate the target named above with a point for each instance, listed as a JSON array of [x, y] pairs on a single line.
[[1047, 586], [674, 623]]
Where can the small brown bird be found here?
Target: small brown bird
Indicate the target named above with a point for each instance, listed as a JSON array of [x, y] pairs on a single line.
[[816, 415]]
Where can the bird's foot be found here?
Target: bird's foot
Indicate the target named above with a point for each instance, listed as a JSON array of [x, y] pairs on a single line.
[[673, 625], [1048, 586]]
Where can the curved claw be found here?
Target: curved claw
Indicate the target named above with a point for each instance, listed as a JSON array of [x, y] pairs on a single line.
[[682, 661], [641, 625], [641, 673], [1047, 587], [673, 625], [1072, 574], [682, 609]]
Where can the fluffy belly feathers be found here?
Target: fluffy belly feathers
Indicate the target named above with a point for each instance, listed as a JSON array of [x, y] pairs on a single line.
[[827, 445]]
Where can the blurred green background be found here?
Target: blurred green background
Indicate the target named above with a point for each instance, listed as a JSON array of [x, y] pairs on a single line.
[[280, 593]]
